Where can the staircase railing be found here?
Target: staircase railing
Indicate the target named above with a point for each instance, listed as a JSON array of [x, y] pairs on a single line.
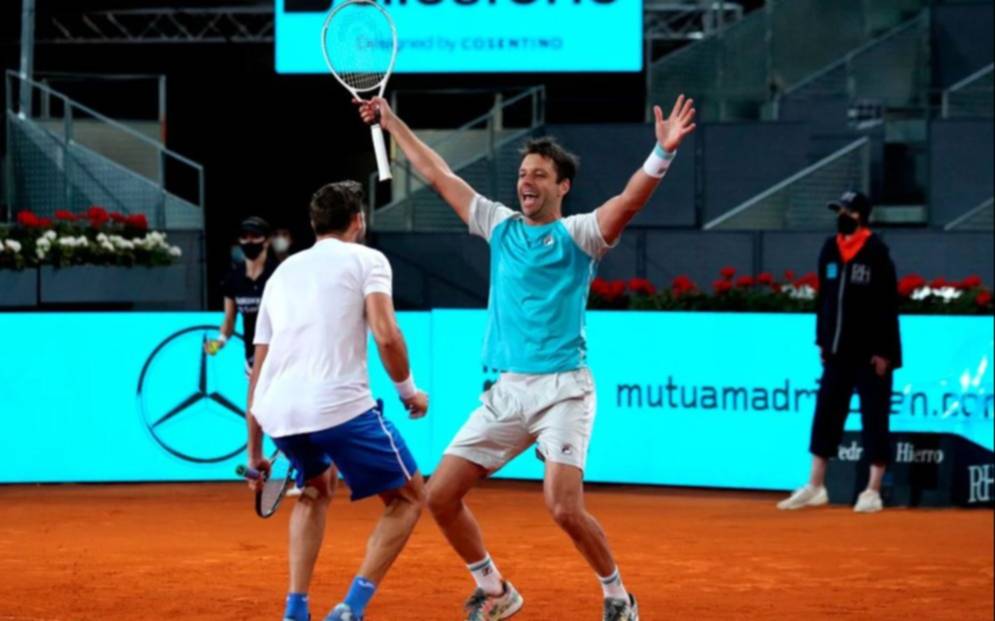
[[976, 219], [892, 70], [736, 71], [799, 202], [971, 97], [75, 157]]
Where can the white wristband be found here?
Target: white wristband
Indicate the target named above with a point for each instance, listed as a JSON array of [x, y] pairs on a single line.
[[658, 162], [406, 389], [222, 339]]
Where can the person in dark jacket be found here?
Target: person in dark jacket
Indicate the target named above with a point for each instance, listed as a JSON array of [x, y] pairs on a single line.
[[858, 336], [243, 287]]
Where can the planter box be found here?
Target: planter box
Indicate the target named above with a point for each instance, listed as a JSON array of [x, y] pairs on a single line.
[[18, 288], [92, 284]]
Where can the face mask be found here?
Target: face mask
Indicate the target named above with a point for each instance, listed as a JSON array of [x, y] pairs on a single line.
[[280, 244], [846, 225], [252, 250]]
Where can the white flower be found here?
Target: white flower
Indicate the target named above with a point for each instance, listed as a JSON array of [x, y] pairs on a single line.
[[101, 238], [921, 293], [948, 293], [944, 293], [13, 245], [44, 243], [175, 251], [40, 253], [50, 235], [109, 247], [804, 292]]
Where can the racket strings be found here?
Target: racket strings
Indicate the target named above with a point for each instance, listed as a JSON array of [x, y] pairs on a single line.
[[359, 45], [274, 486]]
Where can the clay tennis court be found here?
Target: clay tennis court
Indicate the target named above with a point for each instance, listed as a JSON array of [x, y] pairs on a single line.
[[197, 551]]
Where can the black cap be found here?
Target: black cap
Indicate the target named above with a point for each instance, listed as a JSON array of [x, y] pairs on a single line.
[[255, 224], [853, 201]]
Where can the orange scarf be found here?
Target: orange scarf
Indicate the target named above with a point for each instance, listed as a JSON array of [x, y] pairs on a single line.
[[850, 245]]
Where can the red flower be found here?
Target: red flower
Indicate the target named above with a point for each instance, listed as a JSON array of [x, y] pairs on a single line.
[[97, 216], [44, 223], [765, 278], [789, 275], [776, 288], [599, 286], [744, 282], [117, 217], [810, 279], [641, 286], [137, 221], [97, 213], [984, 298], [683, 283], [971, 282], [910, 283], [722, 286], [66, 216], [615, 290], [27, 219], [938, 283], [728, 272]]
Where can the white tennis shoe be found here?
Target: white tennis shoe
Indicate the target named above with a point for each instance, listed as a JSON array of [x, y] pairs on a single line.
[[869, 501], [806, 496]]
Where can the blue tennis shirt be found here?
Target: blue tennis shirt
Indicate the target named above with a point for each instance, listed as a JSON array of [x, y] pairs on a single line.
[[540, 276]]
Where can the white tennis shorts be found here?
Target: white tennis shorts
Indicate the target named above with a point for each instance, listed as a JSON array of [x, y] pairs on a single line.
[[554, 411]]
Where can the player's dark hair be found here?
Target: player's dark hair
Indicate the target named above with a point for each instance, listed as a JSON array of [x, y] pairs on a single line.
[[566, 162], [334, 206]]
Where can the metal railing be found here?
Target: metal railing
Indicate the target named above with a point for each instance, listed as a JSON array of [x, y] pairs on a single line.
[[722, 72], [687, 21], [799, 202], [971, 97], [738, 70], [892, 70], [480, 151], [979, 218], [76, 157]]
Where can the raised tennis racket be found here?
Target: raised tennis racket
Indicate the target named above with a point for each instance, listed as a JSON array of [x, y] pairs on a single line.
[[275, 485], [359, 43]]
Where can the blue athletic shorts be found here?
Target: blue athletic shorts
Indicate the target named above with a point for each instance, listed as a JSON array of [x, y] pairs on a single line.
[[368, 451]]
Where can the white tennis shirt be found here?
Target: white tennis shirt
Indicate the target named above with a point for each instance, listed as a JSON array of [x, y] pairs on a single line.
[[313, 318]]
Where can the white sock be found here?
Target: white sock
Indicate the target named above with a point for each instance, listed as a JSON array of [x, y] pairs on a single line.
[[486, 575], [612, 586]]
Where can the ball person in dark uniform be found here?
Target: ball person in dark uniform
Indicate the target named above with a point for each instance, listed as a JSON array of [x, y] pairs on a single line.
[[244, 284], [857, 333]]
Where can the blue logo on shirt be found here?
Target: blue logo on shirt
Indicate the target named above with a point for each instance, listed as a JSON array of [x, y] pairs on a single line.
[[832, 271]]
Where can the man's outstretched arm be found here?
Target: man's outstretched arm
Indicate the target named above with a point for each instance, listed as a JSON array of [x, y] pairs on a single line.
[[616, 213], [427, 162]]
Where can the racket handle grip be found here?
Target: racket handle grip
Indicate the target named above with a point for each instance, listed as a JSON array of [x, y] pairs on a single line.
[[248, 472], [380, 149]]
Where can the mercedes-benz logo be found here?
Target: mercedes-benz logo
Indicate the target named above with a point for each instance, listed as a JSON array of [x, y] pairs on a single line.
[[184, 397]]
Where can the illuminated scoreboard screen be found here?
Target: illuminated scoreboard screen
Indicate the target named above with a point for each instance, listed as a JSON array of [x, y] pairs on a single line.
[[482, 36]]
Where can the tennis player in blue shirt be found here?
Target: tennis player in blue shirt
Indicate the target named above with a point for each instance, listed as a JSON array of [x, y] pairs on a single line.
[[541, 268]]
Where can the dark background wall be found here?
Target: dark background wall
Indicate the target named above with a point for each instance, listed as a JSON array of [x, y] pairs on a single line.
[[451, 269], [610, 155], [960, 167], [962, 41], [744, 159], [268, 141]]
